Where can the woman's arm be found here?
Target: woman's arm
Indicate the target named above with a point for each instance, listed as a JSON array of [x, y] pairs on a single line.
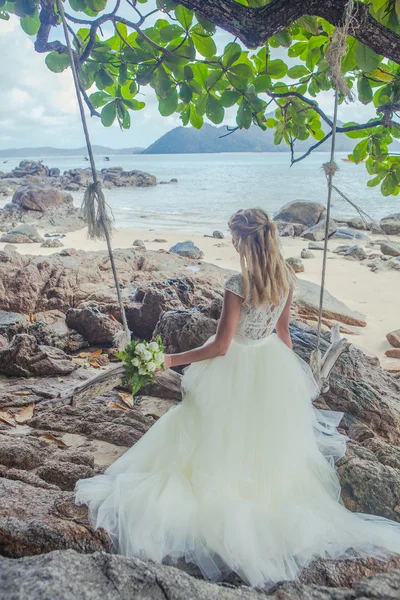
[[219, 346], [282, 326]]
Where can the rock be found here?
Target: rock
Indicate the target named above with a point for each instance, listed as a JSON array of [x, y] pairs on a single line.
[[160, 241], [218, 235], [390, 249], [41, 199], [393, 353], [22, 234], [119, 178], [65, 474], [306, 253], [306, 300], [394, 263], [358, 223], [349, 234], [96, 327], [305, 213], [78, 279], [315, 246], [115, 577], [356, 252], [185, 330], [12, 323], [139, 243], [296, 264], [10, 248], [317, 232], [187, 249], [394, 338], [35, 520], [391, 224], [25, 357], [285, 229], [52, 243], [341, 249], [50, 328]]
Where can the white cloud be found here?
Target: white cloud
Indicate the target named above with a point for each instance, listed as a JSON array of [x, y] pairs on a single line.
[[38, 107]]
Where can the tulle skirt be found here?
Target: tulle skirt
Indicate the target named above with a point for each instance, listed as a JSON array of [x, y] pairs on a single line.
[[239, 477]]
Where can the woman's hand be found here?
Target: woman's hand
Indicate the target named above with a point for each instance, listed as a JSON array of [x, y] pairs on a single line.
[[167, 361]]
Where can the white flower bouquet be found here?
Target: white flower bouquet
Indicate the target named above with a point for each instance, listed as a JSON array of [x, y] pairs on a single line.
[[141, 360]]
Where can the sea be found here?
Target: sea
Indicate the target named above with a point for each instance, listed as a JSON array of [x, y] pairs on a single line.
[[210, 187]]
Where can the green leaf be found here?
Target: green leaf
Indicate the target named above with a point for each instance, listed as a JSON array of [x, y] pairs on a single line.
[[231, 53], [166, 5], [310, 24], [229, 98], [184, 16], [133, 104], [389, 184], [360, 151], [244, 115], [57, 62], [364, 89], [359, 133], [270, 123], [203, 42], [196, 120], [4, 16], [297, 49], [213, 78], [30, 25], [168, 105], [298, 71], [239, 75], [99, 99], [108, 114], [277, 68], [366, 59], [262, 83], [208, 26], [171, 32], [185, 93], [284, 38], [214, 110], [374, 181]]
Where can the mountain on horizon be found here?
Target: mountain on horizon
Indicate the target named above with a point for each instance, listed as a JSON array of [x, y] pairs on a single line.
[[208, 139], [50, 151]]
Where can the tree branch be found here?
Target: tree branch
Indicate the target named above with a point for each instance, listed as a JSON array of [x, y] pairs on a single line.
[[254, 26]]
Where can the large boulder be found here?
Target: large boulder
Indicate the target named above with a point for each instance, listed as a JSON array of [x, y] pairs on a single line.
[[97, 328], [50, 328], [306, 304], [300, 211], [187, 249], [115, 577], [41, 199], [317, 232], [22, 234], [390, 249], [391, 224], [24, 357], [184, 330]]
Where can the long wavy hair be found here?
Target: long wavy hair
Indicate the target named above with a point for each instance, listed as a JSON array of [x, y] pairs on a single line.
[[267, 278]]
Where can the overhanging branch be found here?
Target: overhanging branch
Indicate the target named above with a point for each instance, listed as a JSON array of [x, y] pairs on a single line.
[[253, 26]]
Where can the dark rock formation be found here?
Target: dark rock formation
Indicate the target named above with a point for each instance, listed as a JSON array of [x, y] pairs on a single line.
[[299, 211], [25, 357]]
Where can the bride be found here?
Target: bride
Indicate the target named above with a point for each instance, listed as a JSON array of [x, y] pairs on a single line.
[[239, 476]]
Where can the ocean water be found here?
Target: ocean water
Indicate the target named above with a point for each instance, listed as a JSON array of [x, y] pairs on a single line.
[[212, 186]]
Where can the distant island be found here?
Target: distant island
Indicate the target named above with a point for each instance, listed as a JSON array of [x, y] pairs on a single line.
[[50, 151], [186, 140]]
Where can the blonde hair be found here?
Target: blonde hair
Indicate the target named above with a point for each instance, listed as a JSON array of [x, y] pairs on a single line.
[[267, 278]]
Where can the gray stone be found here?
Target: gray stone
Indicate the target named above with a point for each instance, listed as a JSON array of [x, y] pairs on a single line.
[[317, 232], [296, 264], [300, 211], [22, 234], [218, 235], [349, 234], [306, 253], [315, 246], [394, 263], [97, 328], [187, 249], [41, 199], [358, 223], [285, 229], [52, 243], [341, 249], [356, 252], [391, 224], [139, 243], [394, 338], [390, 249]]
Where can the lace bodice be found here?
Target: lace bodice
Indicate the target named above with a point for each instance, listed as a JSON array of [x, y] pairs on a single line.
[[254, 323]]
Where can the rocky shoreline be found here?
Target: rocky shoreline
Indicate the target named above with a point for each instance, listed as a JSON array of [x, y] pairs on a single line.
[[58, 316]]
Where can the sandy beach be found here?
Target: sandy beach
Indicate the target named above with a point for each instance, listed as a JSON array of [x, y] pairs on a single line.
[[376, 295]]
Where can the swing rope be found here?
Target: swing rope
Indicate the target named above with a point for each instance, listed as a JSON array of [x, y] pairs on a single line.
[[94, 206]]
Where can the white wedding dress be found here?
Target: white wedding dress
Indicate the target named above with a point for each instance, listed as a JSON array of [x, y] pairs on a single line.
[[239, 476]]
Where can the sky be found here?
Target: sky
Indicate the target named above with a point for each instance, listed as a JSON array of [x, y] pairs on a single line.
[[38, 107]]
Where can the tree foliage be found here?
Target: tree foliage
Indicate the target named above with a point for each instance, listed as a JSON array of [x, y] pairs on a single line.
[[173, 50]]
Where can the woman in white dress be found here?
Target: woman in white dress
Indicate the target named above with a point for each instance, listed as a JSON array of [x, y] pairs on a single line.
[[239, 476]]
